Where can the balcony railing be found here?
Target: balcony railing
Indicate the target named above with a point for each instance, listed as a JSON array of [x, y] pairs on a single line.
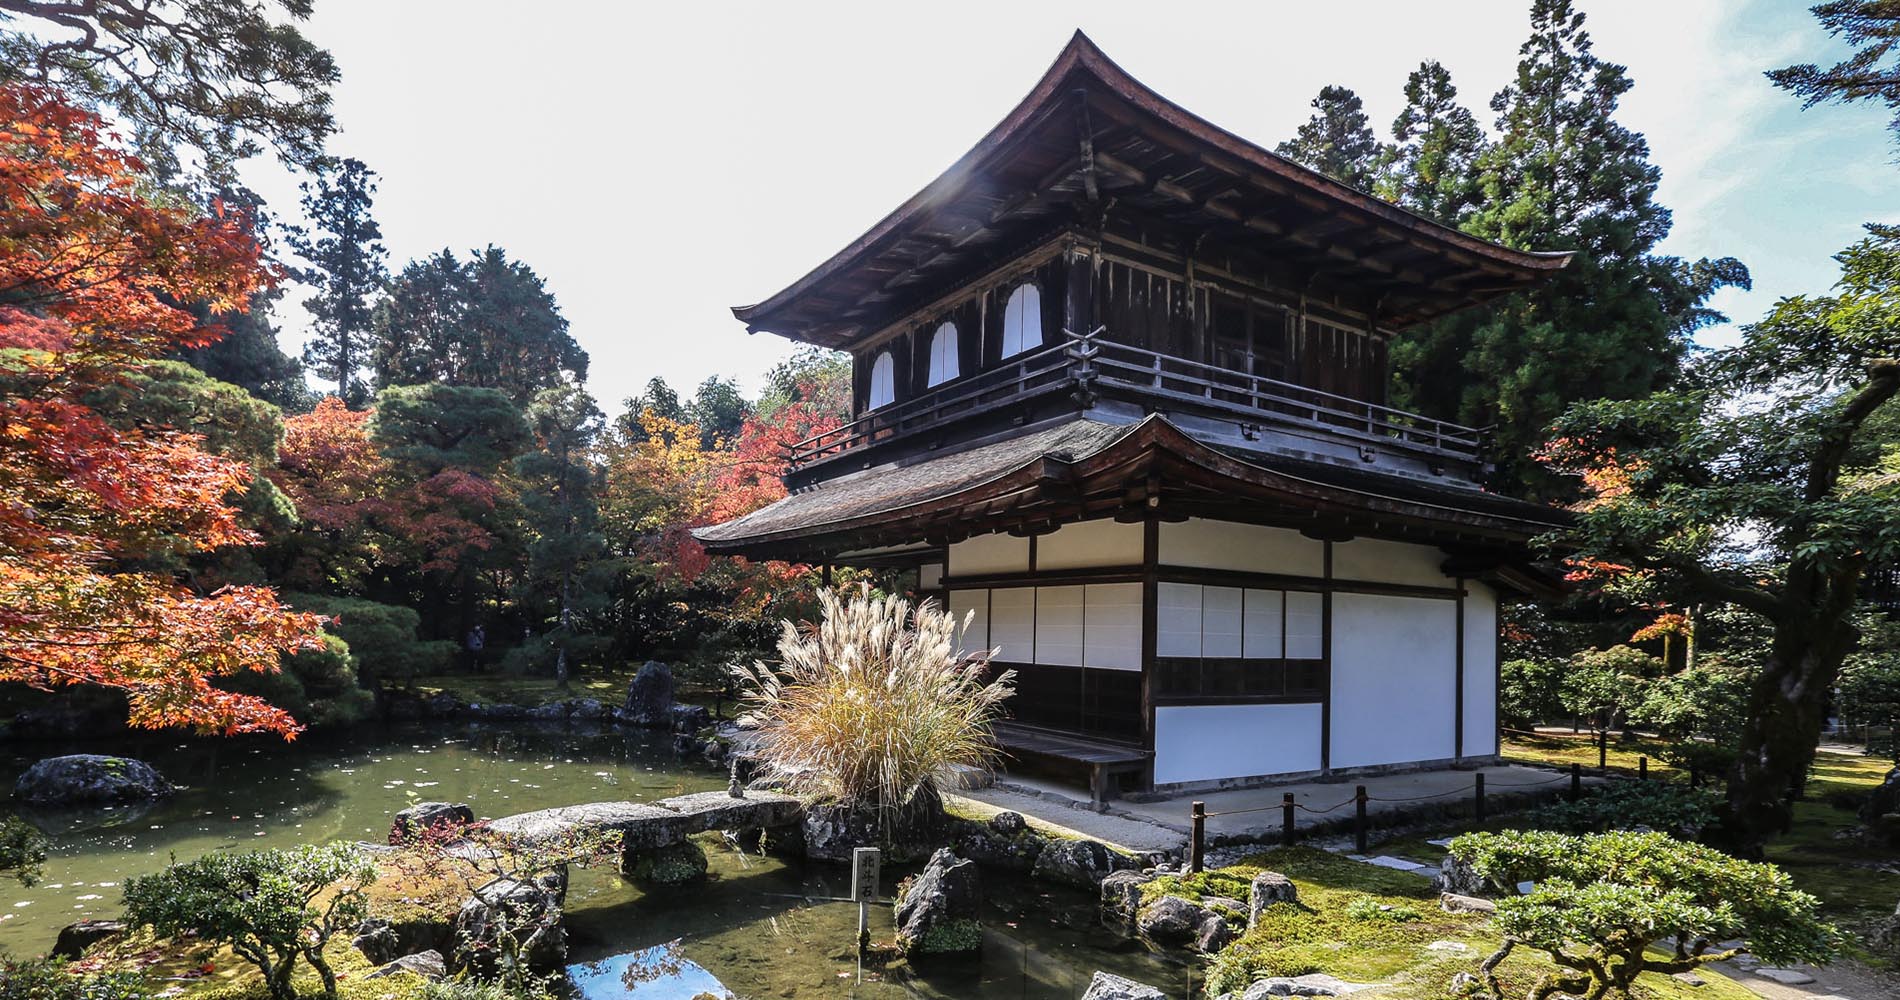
[[1086, 364]]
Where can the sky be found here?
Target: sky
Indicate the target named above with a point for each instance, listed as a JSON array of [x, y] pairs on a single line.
[[659, 163]]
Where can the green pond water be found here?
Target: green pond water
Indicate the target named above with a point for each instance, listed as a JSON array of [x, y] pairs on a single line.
[[760, 927]]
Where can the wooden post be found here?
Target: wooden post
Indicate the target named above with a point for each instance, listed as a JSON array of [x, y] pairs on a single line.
[[1642, 768], [1197, 838], [1286, 820], [1359, 818], [1603, 749], [1576, 782], [1477, 800]]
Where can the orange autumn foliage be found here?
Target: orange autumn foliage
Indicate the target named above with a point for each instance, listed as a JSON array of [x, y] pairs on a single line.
[[91, 264]]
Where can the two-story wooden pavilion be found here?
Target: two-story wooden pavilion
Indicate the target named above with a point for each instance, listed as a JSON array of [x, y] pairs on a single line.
[[1120, 391]]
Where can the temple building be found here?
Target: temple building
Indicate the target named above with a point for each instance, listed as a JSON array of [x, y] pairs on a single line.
[[1119, 391]]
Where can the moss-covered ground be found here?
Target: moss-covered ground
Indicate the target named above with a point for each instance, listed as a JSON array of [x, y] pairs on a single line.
[[1368, 924]]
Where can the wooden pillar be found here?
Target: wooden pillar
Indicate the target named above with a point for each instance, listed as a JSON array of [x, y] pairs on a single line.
[[1150, 617], [1458, 677]]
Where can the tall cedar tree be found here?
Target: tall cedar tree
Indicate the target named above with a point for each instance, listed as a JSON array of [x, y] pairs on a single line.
[[1435, 151], [1763, 441], [719, 410], [90, 266], [348, 269], [216, 76], [566, 552], [487, 322], [1616, 323], [1872, 73], [1338, 140]]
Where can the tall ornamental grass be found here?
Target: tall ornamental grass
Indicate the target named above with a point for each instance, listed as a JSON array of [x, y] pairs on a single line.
[[874, 703]]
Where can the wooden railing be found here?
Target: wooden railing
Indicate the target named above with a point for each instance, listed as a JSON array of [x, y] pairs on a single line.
[[1086, 363], [1192, 385], [1026, 375]]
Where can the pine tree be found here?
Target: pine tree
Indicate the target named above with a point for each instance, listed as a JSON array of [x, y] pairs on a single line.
[[1872, 73], [347, 268], [487, 322], [1437, 143], [568, 559], [1338, 141], [1563, 174]]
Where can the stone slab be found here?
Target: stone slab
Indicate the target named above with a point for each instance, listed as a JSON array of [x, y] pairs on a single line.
[[562, 821]]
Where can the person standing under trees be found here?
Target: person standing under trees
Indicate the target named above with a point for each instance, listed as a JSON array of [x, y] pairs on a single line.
[[476, 639]]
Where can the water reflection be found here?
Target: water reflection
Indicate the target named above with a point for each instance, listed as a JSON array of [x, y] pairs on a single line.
[[657, 973]]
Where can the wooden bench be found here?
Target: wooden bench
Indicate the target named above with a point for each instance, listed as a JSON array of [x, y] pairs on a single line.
[[1102, 759]]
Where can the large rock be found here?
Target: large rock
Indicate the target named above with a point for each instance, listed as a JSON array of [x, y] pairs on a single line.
[[1004, 842], [377, 940], [410, 823], [649, 697], [832, 831], [1171, 921], [74, 939], [1121, 893], [691, 718], [1313, 984], [1882, 803], [531, 913], [1213, 935], [1267, 889], [1459, 878], [1082, 864], [89, 777], [1106, 986], [937, 910], [427, 964]]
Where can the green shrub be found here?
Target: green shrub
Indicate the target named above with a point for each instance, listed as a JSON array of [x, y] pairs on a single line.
[[382, 637], [22, 850], [1369, 908], [261, 903], [49, 979], [1669, 807], [1599, 901], [317, 686], [1528, 691], [873, 704]]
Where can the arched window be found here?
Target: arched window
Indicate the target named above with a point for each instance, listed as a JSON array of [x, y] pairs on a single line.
[[1022, 321], [943, 354], [883, 382]]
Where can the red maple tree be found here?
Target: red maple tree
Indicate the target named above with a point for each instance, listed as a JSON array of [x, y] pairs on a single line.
[[92, 264]]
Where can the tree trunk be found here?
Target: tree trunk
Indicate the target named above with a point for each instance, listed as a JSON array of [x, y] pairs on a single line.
[[1786, 712]]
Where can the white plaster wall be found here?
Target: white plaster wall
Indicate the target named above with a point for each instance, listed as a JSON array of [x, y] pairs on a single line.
[[1209, 742], [1394, 679], [976, 604], [1481, 671], [998, 553], [1376, 561], [1104, 542], [930, 576], [1247, 548], [1059, 619], [1112, 626], [1013, 623]]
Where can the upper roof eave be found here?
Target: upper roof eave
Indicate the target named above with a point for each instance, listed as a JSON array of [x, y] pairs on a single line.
[[1083, 55]]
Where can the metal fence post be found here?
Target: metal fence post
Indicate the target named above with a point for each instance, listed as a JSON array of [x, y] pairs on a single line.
[[1286, 819], [1576, 782], [1477, 800], [1359, 819], [1197, 839]]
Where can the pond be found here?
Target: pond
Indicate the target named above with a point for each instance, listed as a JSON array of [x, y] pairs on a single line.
[[761, 926]]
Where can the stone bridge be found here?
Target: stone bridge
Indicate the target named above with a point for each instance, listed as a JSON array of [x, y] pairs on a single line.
[[645, 826]]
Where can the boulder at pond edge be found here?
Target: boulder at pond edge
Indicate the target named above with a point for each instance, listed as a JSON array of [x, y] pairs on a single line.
[[937, 910], [89, 777]]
